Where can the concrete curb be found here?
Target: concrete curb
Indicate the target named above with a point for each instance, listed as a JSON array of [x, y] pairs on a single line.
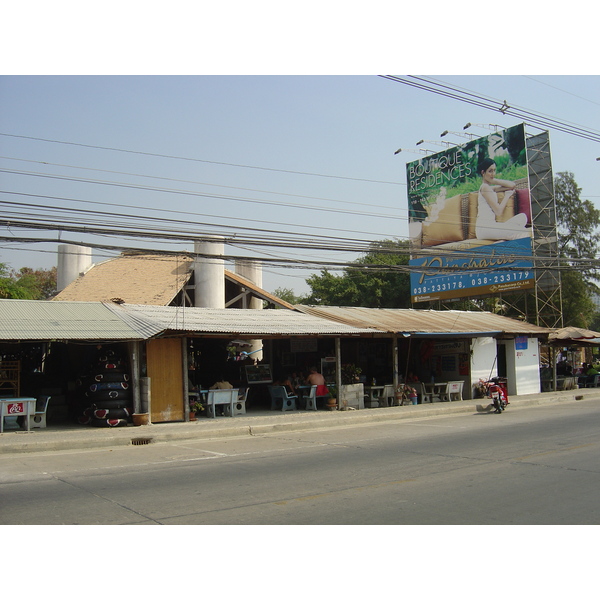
[[70, 438]]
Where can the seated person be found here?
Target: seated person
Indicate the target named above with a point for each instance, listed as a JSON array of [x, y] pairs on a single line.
[[591, 373], [561, 368], [315, 378], [287, 383], [568, 370], [221, 385]]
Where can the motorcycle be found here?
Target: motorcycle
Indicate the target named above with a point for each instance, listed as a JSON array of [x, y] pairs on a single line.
[[495, 388]]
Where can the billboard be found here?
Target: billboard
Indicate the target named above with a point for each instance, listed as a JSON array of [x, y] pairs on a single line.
[[470, 219]]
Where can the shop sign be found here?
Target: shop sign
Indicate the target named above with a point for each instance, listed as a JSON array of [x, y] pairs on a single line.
[[15, 408]]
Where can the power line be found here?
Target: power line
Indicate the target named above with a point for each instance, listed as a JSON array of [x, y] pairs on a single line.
[[231, 187], [296, 263], [188, 193], [495, 105], [89, 213], [554, 87], [187, 158], [278, 243]]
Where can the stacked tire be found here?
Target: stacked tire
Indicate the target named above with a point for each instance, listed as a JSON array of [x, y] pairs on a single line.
[[105, 395]]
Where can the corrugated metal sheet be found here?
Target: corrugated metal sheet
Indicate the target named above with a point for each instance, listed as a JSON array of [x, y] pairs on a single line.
[[42, 320], [573, 334], [411, 321], [236, 321]]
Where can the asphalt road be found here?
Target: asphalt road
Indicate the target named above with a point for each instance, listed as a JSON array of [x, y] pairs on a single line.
[[536, 465]]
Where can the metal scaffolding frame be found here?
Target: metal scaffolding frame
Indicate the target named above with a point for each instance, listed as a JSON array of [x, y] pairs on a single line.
[[545, 300], [548, 289]]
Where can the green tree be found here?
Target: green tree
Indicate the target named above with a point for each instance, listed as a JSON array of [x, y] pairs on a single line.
[[288, 295], [379, 279], [577, 305], [27, 283], [577, 224]]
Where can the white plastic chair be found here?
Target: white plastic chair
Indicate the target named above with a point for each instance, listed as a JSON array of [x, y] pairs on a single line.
[[239, 406], [454, 390], [38, 419], [388, 397], [224, 397], [311, 399], [279, 396], [427, 395]]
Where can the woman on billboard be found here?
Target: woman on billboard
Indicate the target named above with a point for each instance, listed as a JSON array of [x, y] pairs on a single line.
[[489, 207]]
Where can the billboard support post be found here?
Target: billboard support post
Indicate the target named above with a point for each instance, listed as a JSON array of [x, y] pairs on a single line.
[[548, 289]]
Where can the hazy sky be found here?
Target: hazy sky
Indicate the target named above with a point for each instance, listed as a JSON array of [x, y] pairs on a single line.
[[270, 155]]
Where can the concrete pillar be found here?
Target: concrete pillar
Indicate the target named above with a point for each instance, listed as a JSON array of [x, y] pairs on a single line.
[[209, 274], [72, 262], [252, 270]]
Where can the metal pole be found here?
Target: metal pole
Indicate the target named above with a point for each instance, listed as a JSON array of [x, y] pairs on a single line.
[[338, 370], [134, 357], [395, 360]]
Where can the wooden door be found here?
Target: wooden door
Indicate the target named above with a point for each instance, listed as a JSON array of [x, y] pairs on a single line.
[[164, 362]]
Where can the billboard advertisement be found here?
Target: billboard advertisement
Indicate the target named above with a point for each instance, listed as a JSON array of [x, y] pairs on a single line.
[[470, 219]]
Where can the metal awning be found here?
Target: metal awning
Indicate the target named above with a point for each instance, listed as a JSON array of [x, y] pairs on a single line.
[[427, 323], [42, 320]]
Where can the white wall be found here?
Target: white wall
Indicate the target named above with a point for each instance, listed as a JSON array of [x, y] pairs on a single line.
[[483, 360], [523, 366]]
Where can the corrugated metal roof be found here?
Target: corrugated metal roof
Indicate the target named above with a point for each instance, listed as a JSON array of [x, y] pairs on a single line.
[[411, 321], [41, 320], [44, 320], [235, 321], [573, 333]]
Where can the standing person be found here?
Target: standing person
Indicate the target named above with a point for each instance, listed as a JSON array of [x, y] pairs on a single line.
[[489, 208], [315, 378]]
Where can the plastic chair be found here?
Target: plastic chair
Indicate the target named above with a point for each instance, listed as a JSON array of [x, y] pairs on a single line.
[[455, 389], [239, 406], [452, 391], [388, 397], [592, 383], [427, 395], [280, 399], [311, 399], [223, 397], [38, 419]]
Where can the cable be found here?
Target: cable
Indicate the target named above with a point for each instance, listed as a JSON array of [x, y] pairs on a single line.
[[496, 106], [232, 187], [295, 263], [213, 162], [187, 193], [560, 89], [22, 219]]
